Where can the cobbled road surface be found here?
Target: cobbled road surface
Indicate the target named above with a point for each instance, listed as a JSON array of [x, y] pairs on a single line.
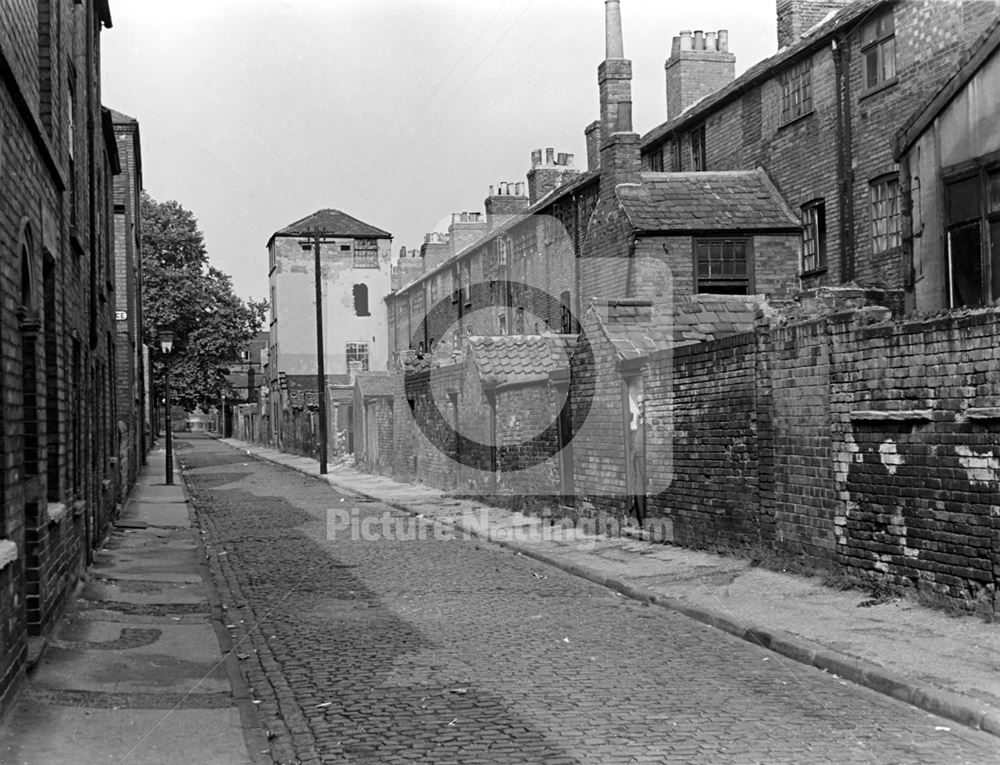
[[458, 651]]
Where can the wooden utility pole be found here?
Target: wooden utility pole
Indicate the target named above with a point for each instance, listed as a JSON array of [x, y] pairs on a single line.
[[320, 361]]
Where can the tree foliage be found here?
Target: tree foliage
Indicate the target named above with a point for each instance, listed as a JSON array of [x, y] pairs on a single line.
[[183, 293]]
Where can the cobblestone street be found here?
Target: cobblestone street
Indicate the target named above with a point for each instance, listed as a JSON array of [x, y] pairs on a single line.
[[459, 651]]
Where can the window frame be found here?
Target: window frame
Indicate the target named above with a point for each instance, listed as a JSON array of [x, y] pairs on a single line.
[[699, 154], [734, 280], [813, 217], [877, 36], [894, 238], [796, 91], [357, 348], [365, 253], [986, 219]]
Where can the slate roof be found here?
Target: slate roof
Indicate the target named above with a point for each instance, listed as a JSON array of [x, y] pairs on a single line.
[[516, 359], [332, 223], [734, 200], [700, 318], [693, 319], [813, 38], [374, 383]]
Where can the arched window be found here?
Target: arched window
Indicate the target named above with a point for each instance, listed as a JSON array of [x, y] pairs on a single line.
[[361, 300]]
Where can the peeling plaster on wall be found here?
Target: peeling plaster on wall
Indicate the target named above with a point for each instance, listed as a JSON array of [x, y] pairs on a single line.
[[981, 467], [890, 456], [851, 451]]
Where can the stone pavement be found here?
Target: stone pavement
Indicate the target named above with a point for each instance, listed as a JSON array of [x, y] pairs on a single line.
[[946, 665], [136, 671]]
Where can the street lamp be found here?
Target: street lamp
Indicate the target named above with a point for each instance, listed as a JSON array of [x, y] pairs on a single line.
[[166, 347]]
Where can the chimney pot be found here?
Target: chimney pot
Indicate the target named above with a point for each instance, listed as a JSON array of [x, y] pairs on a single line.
[[710, 41], [549, 156], [723, 41], [699, 40], [536, 157], [614, 47], [686, 42], [491, 191], [675, 46]]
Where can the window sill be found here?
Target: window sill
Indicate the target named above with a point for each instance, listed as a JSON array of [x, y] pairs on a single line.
[[889, 252], [879, 88], [813, 273], [796, 120]]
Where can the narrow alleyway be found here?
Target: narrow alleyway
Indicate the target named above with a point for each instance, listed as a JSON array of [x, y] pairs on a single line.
[[458, 651]]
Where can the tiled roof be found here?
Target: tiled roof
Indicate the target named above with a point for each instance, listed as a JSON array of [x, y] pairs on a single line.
[[735, 200], [634, 327], [332, 223], [374, 383], [763, 69], [700, 318], [512, 359], [637, 329], [120, 117]]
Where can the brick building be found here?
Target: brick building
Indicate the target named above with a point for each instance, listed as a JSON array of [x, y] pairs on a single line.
[[356, 275], [132, 391], [819, 117], [60, 437], [949, 155]]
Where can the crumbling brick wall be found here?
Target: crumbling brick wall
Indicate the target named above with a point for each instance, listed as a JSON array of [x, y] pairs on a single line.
[[916, 410]]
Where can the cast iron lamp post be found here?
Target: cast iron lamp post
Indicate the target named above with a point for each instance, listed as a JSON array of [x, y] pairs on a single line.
[[166, 346]]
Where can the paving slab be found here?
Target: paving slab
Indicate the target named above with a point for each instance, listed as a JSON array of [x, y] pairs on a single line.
[[160, 514], [134, 672], [56, 735], [177, 658]]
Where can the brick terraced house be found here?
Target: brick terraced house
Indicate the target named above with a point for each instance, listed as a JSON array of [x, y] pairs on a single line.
[[777, 310], [61, 477]]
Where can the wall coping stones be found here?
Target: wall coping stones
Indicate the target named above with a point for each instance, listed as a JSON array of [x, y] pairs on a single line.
[[8, 553], [897, 415], [983, 413], [56, 511]]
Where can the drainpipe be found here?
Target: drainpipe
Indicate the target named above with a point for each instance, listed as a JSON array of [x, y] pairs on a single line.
[[845, 159], [491, 397]]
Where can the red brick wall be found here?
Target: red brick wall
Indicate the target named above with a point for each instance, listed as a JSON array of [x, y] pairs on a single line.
[[599, 434], [919, 496], [55, 412], [702, 444]]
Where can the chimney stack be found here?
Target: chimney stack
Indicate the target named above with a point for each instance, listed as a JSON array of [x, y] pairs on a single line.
[[557, 170], [465, 228], [698, 66], [505, 201], [592, 134], [796, 17], [619, 144], [435, 250]]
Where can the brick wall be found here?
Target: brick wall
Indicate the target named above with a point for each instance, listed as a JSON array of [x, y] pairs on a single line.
[[57, 350], [599, 432], [702, 444], [803, 498], [916, 429]]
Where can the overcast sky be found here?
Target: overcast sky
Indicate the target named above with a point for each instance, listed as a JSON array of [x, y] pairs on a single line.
[[255, 113]]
